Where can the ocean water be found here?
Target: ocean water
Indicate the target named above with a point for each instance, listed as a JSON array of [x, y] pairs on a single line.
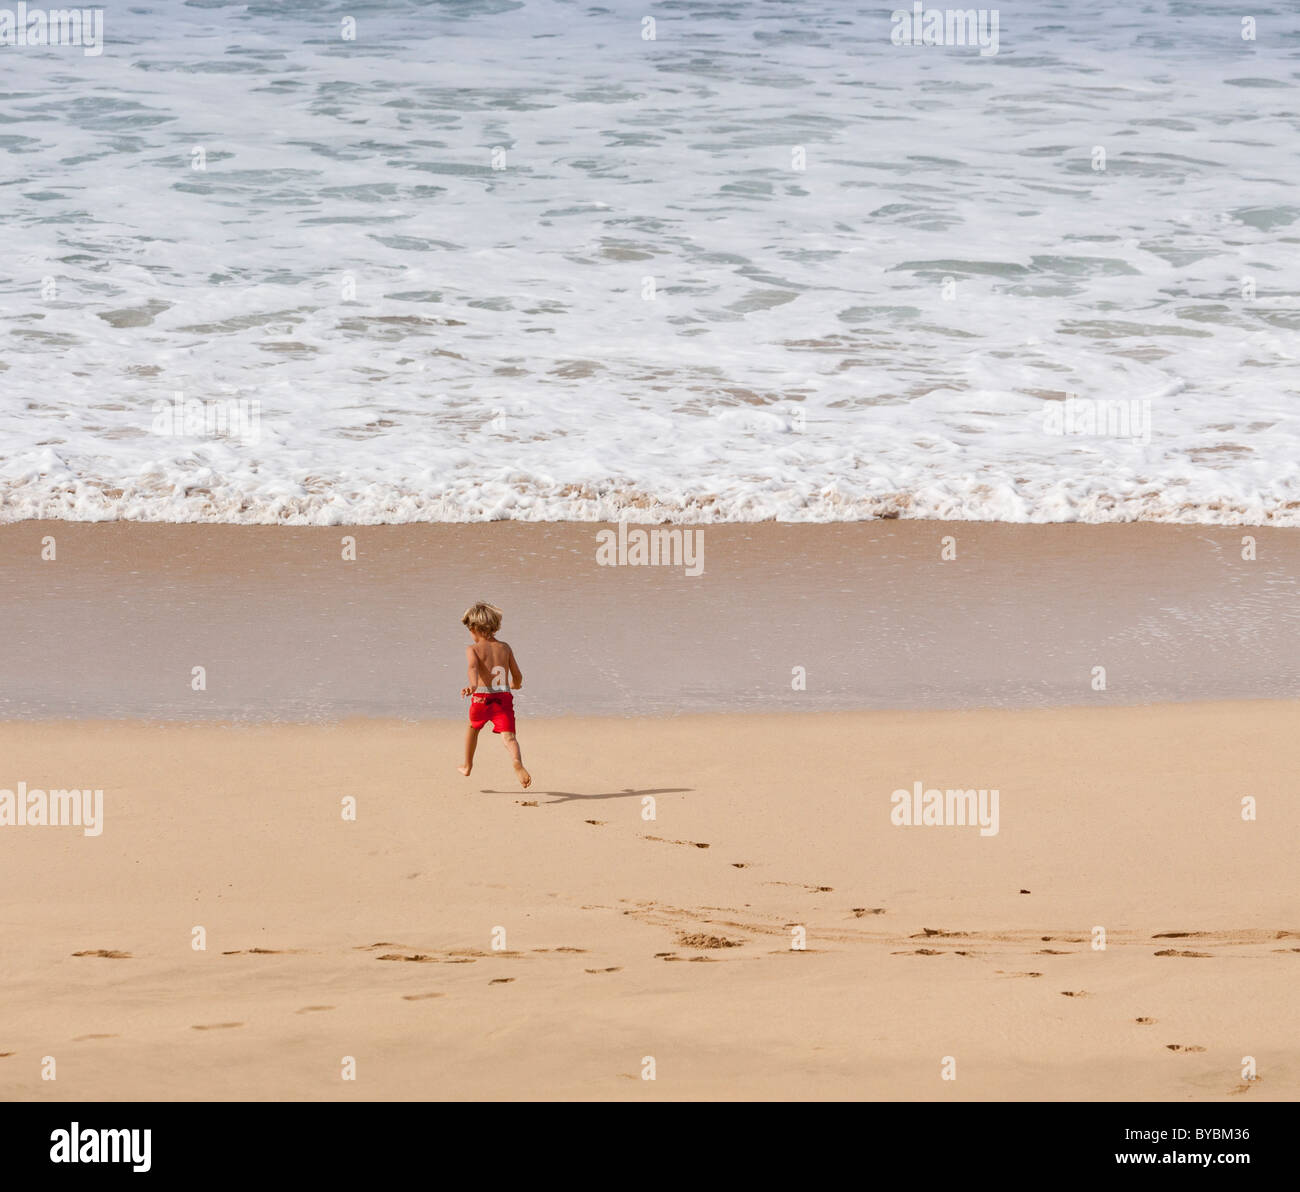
[[518, 259]]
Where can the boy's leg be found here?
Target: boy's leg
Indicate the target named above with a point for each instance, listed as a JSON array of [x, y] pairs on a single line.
[[512, 744], [471, 740]]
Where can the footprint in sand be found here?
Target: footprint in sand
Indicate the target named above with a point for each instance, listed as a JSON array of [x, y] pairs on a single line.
[[500, 980], [700, 940], [1182, 1047], [570, 949], [1175, 952], [257, 952], [598, 823], [665, 840], [1075, 993], [216, 1026], [4, 1055], [1144, 1021], [740, 865], [83, 1038], [106, 953], [417, 958], [310, 1009], [616, 969], [526, 802], [1004, 974], [1051, 952], [419, 997], [860, 911]]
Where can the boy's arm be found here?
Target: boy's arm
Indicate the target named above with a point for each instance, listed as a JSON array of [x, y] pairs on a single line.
[[472, 659], [516, 675]]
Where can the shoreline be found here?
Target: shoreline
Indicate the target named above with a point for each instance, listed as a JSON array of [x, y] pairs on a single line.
[[660, 717], [863, 615]]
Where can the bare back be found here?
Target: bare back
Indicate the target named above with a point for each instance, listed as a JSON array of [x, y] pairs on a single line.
[[495, 665]]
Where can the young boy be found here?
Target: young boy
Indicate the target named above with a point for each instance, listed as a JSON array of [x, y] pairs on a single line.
[[493, 671]]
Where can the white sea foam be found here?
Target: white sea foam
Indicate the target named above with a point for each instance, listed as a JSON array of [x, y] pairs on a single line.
[[429, 338]]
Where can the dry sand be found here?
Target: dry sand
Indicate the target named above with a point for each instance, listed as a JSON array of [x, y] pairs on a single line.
[[373, 939]]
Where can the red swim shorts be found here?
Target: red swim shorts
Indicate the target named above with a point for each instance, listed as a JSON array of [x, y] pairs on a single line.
[[496, 706]]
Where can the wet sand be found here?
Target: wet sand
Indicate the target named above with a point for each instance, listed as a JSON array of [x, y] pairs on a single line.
[[876, 617]]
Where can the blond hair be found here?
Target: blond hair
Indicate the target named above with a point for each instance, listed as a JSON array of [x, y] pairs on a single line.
[[482, 617]]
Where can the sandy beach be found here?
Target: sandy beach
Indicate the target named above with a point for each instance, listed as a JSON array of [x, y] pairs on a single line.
[[462, 939], [879, 431]]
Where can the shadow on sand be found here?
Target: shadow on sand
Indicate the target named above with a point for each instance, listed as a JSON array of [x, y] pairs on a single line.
[[569, 796]]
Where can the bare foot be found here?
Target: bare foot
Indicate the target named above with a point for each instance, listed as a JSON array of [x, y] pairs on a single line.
[[525, 778], [465, 770]]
